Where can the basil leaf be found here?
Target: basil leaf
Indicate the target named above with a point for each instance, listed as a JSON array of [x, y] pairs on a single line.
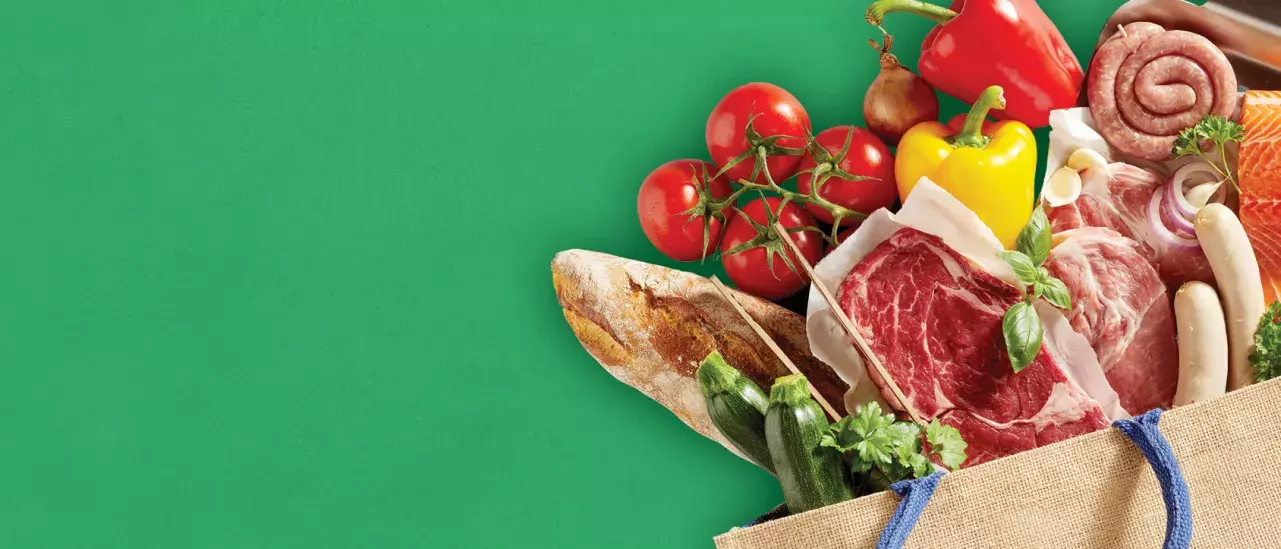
[[1035, 238], [1057, 294], [1023, 333], [1022, 266]]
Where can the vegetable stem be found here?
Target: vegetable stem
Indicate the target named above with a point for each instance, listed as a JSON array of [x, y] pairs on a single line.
[[1210, 161], [1224, 157], [938, 14], [716, 376], [791, 390], [1225, 172], [838, 211], [1214, 129], [822, 172], [972, 133]]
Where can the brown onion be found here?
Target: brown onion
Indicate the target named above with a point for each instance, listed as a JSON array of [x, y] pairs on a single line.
[[898, 99]]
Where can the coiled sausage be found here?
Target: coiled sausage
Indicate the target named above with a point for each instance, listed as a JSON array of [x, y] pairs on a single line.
[[1147, 84]]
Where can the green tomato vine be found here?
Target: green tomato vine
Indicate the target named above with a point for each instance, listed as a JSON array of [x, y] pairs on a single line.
[[827, 166]]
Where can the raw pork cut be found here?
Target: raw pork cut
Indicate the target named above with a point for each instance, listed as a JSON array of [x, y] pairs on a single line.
[[1119, 201], [1120, 305], [934, 320]]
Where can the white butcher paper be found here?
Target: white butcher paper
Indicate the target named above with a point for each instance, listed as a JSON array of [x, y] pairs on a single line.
[[932, 210], [1073, 129]]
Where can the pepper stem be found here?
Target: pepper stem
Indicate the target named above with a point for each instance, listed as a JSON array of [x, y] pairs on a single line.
[[939, 14], [972, 132]]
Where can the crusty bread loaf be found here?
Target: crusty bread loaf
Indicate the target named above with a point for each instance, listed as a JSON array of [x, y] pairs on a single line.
[[651, 326]]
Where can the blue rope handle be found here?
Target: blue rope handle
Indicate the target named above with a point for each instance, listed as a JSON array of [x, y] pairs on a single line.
[[1143, 431], [916, 495]]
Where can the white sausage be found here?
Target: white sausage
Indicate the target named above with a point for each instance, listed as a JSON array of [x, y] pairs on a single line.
[[1237, 272], [1203, 344]]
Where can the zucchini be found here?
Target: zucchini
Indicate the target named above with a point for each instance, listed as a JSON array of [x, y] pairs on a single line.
[[737, 408], [811, 475]]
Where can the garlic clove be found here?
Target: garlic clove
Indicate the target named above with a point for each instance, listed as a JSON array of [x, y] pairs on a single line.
[[1085, 159], [1063, 187], [1200, 195]]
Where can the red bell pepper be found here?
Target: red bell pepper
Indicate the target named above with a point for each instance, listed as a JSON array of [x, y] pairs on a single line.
[[1010, 43]]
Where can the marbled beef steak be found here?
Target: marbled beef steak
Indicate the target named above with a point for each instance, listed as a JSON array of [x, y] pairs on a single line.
[[934, 320]]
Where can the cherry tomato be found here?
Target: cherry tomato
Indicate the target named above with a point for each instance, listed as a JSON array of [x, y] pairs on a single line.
[[772, 112], [867, 156], [761, 270], [667, 196]]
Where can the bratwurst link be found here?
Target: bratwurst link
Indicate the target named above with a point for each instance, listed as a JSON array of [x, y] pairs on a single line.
[[1147, 84]]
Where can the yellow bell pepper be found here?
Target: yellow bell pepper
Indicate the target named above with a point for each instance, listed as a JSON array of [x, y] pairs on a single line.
[[991, 168]]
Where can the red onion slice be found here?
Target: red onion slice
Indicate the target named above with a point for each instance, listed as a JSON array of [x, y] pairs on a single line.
[[1158, 227], [1177, 184], [1177, 222]]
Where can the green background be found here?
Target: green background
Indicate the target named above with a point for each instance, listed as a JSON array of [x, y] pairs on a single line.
[[276, 273]]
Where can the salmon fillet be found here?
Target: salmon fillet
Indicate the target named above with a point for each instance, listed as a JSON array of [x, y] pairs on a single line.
[[1259, 169]]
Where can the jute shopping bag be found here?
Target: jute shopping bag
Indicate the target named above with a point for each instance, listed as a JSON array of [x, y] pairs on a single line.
[[1094, 491]]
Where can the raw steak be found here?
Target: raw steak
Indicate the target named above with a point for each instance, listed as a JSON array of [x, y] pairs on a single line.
[[934, 320], [1120, 202], [1120, 305]]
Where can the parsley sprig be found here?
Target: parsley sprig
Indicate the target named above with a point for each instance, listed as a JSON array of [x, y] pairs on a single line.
[[882, 450], [1266, 356], [1215, 131], [1021, 326]]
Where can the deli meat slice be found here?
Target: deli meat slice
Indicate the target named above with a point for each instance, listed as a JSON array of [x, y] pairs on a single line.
[[1119, 201], [934, 320], [1121, 306]]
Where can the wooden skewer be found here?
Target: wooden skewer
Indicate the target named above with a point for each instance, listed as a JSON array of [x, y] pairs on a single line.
[[769, 341], [847, 324]]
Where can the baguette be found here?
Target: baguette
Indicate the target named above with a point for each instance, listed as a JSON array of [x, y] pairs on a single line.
[[650, 327]]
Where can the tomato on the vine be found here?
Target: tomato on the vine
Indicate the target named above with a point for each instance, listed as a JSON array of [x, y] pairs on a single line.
[[755, 256], [778, 122], [857, 172], [676, 209]]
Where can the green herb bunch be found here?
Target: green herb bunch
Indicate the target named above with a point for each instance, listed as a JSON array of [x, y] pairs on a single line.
[[1210, 134], [1266, 357], [882, 450], [1022, 327]]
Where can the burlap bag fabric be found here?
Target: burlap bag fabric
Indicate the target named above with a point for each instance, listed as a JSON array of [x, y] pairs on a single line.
[[1094, 491]]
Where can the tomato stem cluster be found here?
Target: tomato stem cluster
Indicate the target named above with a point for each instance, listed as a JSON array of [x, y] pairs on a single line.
[[826, 167], [767, 237]]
